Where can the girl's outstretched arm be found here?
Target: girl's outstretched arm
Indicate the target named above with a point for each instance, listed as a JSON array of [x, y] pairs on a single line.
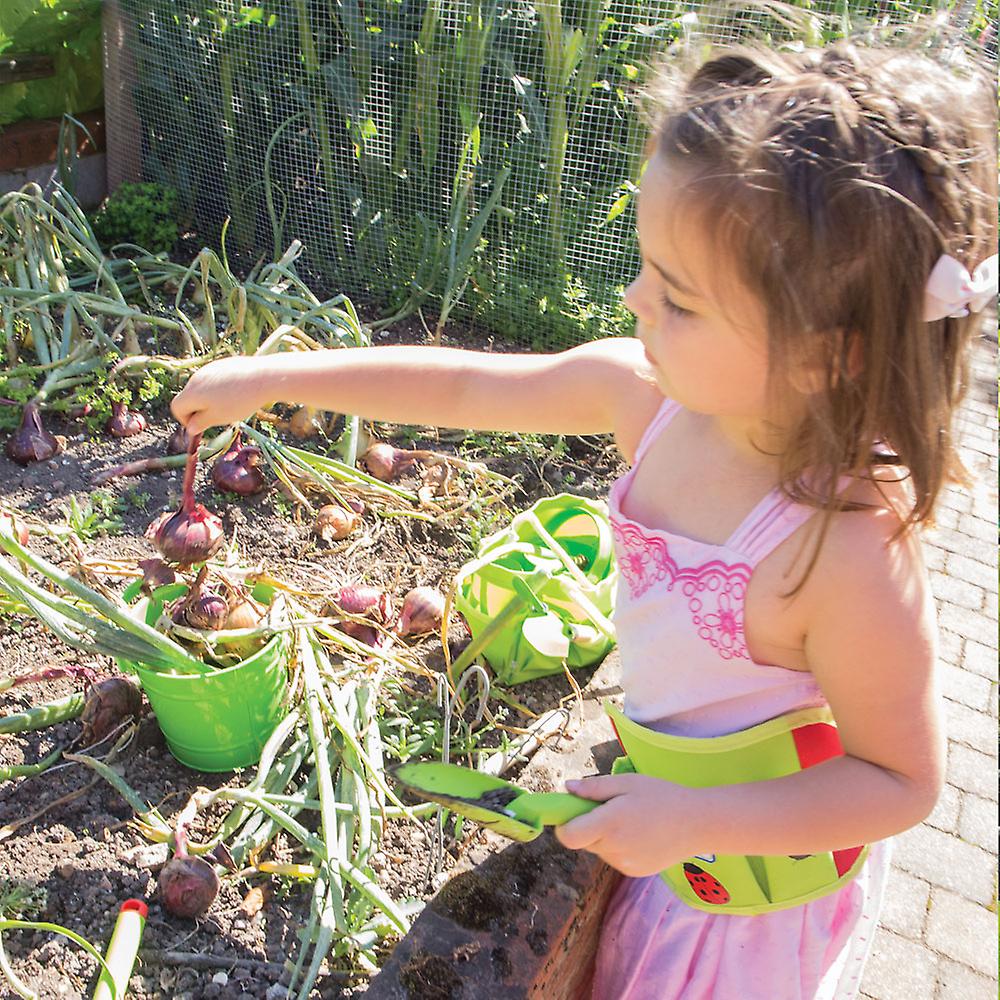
[[870, 643], [580, 391]]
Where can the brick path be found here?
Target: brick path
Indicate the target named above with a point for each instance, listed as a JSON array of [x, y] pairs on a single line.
[[938, 935]]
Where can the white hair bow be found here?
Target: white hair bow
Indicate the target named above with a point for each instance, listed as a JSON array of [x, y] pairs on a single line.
[[952, 291]]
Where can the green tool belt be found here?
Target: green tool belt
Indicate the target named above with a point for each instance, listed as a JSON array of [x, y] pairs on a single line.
[[743, 884]]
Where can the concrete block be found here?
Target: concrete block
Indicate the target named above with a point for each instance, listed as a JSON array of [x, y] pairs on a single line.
[[947, 862], [963, 931]]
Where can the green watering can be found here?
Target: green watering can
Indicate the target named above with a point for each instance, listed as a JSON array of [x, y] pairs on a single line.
[[557, 557]]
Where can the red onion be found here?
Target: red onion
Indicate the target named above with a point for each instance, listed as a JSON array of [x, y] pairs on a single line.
[[188, 885], [124, 422], [238, 470], [371, 603], [107, 705], [334, 523], [193, 533], [423, 609], [385, 462], [31, 442], [178, 442], [203, 609], [156, 573]]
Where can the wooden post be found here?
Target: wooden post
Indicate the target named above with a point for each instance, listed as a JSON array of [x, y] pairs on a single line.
[[123, 129]]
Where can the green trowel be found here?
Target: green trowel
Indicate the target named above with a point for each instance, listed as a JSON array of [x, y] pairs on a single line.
[[500, 805]]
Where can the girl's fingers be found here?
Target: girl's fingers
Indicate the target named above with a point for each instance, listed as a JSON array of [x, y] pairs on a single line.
[[583, 833], [600, 787]]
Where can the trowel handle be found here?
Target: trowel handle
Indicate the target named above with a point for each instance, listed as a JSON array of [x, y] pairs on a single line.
[[550, 808]]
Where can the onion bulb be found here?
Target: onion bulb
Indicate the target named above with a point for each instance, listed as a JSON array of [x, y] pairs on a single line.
[[238, 470], [193, 533], [31, 442], [156, 573], [423, 609], [244, 611], [304, 423], [334, 523], [188, 885], [202, 609], [178, 441], [106, 706], [125, 422], [385, 462], [364, 602]]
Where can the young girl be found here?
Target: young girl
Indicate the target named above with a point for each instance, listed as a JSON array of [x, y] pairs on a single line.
[[814, 231]]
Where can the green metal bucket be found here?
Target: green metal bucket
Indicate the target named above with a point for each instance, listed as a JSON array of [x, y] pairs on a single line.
[[219, 720]]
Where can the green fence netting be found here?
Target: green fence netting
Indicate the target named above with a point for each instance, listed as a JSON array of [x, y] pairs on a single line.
[[464, 157]]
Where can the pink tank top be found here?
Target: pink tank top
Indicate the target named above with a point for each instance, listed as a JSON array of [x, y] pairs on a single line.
[[679, 618]]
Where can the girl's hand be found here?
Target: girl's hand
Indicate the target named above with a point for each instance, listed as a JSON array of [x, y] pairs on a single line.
[[643, 827], [221, 393]]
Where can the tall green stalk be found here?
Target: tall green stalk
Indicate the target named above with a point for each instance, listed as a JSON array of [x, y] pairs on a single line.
[[314, 82]]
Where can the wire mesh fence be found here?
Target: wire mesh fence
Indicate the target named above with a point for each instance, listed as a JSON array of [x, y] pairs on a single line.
[[456, 157]]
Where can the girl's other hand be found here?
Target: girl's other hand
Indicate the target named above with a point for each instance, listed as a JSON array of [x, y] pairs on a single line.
[[221, 393], [642, 828]]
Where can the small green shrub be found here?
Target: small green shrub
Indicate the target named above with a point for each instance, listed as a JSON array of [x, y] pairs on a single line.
[[144, 214]]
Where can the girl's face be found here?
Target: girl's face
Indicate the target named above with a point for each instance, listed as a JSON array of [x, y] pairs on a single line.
[[704, 332]]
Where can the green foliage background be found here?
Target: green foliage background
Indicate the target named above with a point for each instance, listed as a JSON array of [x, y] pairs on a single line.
[[70, 32], [430, 154]]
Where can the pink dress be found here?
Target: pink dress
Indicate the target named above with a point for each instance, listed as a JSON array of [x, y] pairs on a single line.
[[686, 670]]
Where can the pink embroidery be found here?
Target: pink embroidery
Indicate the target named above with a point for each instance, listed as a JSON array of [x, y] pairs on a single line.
[[715, 591], [643, 561], [715, 594]]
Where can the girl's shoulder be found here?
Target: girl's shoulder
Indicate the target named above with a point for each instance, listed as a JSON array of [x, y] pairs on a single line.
[[866, 564], [629, 384]]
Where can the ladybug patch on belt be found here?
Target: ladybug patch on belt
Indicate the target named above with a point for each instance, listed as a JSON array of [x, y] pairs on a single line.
[[705, 886]]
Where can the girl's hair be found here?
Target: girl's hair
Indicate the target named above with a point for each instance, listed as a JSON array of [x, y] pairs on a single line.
[[836, 178]]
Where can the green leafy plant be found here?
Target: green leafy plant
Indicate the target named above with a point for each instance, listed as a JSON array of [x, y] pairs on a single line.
[[142, 214], [97, 515], [21, 899]]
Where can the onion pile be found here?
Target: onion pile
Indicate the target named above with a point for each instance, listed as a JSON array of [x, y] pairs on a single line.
[[238, 470], [125, 422], [31, 442], [193, 533]]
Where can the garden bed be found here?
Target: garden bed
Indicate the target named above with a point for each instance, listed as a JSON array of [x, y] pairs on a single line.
[[80, 857]]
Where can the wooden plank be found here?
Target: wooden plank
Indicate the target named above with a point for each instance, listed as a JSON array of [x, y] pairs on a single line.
[[34, 143], [16, 68]]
